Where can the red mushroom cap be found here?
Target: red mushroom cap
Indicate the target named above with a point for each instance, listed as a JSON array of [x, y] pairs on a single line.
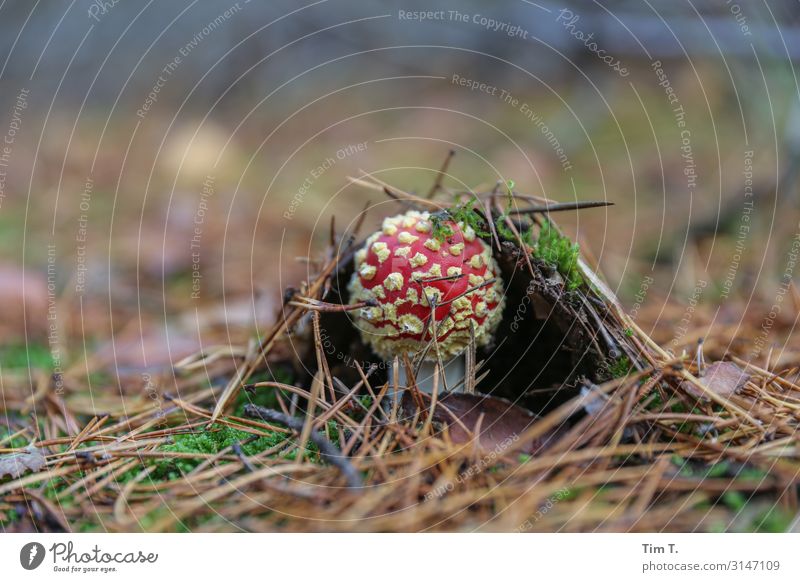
[[412, 275]]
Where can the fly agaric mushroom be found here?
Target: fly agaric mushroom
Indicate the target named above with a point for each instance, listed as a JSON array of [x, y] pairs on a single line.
[[423, 282]]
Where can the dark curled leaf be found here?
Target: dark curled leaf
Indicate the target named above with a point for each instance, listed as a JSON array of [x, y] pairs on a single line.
[[503, 422]]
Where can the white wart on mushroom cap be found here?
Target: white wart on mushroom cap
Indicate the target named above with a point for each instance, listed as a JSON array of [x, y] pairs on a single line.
[[412, 275]]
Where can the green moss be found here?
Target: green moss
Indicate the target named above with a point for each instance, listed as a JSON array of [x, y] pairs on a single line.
[[468, 216], [735, 500], [656, 403], [552, 247], [721, 470], [211, 442], [263, 396], [9, 517], [187, 524], [98, 379], [718, 469], [56, 486], [22, 356], [559, 252], [772, 520], [11, 233], [678, 407], [568, 493], [440, 226], [332, 431], [503, 231], [266, 397], [219, 438], [684, 468], [621, 367], [14, 443], [442, 222], [718, 527], [748, 473], [87, 527], [739, 472]]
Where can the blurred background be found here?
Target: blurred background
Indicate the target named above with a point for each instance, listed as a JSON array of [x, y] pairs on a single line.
[[164, 164]]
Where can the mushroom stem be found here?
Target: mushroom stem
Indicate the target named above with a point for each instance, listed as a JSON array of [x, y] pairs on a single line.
[[453, 381]]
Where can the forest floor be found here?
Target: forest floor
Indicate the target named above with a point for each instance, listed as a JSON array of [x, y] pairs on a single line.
[[160, 429]]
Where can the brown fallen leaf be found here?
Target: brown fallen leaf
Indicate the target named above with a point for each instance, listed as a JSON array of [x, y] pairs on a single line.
[[15, 464], [722, 378], [503, 422]]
